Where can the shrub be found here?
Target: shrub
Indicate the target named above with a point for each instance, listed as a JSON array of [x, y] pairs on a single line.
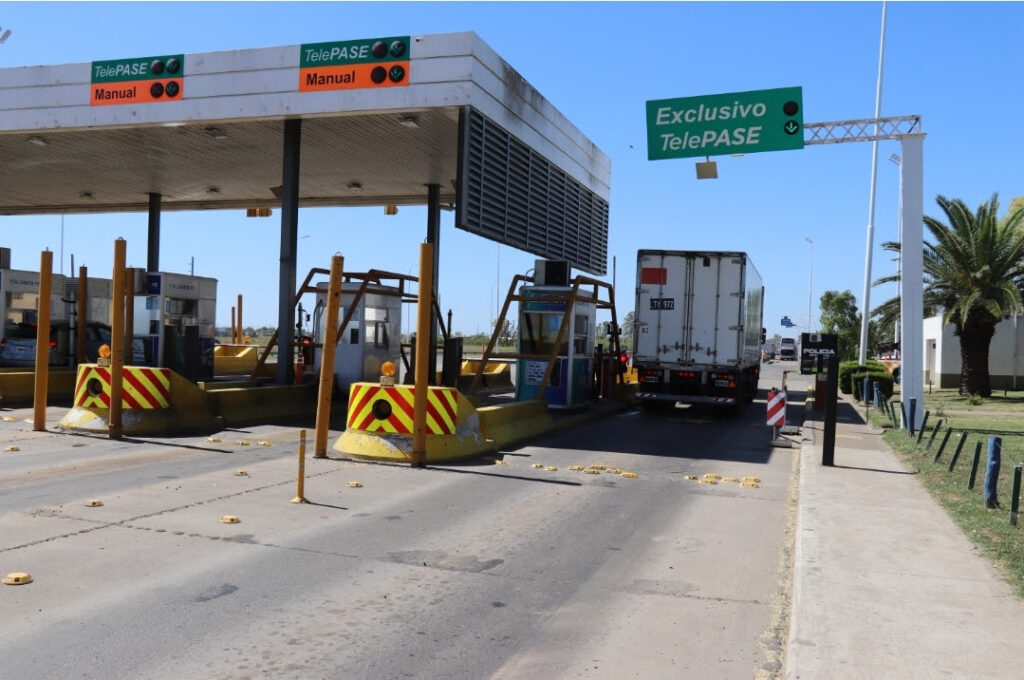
[[847, 368], [884, 380]]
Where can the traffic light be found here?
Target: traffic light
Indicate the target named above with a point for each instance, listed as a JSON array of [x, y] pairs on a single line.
[[623, 360]]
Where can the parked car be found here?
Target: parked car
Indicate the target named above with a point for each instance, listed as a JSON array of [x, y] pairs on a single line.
[[18, 348]]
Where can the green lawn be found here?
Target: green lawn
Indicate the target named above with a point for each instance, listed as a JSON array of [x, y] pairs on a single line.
[[999, 416]]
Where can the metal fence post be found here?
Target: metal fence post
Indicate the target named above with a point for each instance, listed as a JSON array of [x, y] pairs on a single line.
[[931, 439], [1015, 500], [995, 447], [924, 421], [974, 466], [959, 447]]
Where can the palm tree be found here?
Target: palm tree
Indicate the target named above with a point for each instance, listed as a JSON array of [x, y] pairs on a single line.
[[973, 272]]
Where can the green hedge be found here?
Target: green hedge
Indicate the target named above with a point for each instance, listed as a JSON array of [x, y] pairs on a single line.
[[847, 368], [883, 379]]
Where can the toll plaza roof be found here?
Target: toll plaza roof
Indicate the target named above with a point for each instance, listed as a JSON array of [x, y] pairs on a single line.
[[381, 119]]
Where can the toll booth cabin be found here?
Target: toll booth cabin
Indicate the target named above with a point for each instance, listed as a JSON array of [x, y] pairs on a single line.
[[541, 313], [174, 317], [370, 319]]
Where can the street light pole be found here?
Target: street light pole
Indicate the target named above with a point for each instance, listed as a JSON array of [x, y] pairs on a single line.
[[810, 285]]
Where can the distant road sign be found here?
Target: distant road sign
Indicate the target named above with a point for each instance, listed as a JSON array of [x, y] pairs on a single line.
[[720, 124]]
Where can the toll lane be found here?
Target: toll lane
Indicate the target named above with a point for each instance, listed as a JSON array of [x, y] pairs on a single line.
[[469, 571]]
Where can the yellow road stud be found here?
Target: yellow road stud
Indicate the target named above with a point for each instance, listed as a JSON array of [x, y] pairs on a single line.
[[501, 462], [263, 442], [752, 479], [592, 472], [690, 477], [550, 468], [94, 503], [355, 485], [731, 479], [12, 448], [712, 475], [9, 419], [751, 485], [576, 467], [241, 473], [537, 465], [709, 481], [17, 578], [598, 466], [213, 439], [243, 442], [230, 519], [629, 475]]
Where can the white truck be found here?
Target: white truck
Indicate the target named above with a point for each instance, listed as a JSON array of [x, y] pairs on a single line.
[[697, 328]]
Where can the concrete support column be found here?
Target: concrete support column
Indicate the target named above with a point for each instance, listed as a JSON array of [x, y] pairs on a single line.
[[289, 245], [153, 234], [434, 239], [912, 273]]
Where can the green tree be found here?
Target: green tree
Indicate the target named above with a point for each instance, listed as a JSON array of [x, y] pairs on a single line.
[[973, 272], [839, 316]]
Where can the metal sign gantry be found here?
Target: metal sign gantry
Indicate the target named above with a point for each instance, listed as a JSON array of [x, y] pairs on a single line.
[[907, 130]]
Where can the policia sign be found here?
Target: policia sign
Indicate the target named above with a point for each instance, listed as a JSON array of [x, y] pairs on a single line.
[[814, 346], [720, 124]]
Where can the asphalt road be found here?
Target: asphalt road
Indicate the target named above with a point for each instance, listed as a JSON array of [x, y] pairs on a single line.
[[470, 571]]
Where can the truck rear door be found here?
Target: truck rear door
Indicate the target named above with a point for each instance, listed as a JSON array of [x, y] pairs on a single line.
[[718, 309], [662, 303]]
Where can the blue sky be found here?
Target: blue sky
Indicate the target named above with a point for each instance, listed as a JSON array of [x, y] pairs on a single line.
[[958, 65]]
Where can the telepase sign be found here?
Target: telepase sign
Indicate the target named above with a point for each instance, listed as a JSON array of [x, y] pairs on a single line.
[[730, 123]]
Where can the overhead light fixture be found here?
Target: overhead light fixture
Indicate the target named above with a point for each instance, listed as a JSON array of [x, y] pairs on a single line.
[[707, 169], [355, 186], [216, 133], [258, 212], [409, 122], [37, 140], [391, 209]]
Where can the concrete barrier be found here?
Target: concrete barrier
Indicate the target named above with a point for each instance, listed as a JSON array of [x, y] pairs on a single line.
[[157, 401], [379, 425], [17, 386], [496, 378], [510, 424]]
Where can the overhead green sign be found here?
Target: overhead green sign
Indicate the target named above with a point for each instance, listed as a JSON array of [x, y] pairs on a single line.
[[721, 124]]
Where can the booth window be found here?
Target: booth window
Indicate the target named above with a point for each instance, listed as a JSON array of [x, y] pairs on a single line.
[[539, 333], [581, 336], [380, 334]]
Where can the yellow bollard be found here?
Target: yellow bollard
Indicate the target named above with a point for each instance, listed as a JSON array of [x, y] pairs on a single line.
[[300, 498]]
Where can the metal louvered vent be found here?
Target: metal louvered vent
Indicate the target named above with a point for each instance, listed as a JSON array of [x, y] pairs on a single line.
[[511, 194]]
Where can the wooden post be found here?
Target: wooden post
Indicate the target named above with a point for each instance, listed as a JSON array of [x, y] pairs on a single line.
[[116, 342], [323, 405], [83, 315], [423, 320], [42, 373]]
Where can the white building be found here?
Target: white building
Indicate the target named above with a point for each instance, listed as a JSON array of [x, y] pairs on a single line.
[[1005, 355]]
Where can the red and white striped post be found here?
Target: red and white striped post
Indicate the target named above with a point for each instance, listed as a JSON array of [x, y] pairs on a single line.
[[776, 412]]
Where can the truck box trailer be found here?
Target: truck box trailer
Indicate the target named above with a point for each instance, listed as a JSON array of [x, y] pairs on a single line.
[[697, 327]]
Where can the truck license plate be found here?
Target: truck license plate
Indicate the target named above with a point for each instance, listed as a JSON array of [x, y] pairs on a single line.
[[663, 303]]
